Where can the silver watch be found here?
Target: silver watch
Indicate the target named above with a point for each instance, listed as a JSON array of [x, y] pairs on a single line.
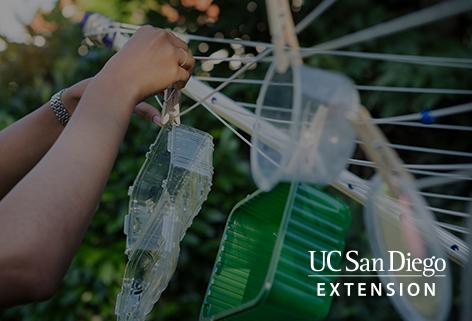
[[62, 114]]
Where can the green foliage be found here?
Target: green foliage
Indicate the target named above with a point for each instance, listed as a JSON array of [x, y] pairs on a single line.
[[30, 75]]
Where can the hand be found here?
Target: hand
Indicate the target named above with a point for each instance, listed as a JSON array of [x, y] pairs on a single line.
[[72, 95], [151, 61]]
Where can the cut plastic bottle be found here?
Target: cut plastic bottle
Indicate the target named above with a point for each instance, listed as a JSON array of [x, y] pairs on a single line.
[[311, 108], [262, 270], [397, 219], [167, 194]]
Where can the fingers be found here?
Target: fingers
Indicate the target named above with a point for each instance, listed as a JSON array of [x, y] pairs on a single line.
[[176, 41], [148, 112], [185, 59], [184, 55], [182, 76]]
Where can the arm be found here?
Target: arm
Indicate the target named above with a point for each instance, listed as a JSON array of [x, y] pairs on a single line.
[[43, 218], [26, 141]]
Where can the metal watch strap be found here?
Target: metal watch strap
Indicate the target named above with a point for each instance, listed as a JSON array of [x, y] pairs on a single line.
[[62, 114]]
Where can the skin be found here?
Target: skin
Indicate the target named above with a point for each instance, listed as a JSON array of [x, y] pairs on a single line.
[[50, 188]]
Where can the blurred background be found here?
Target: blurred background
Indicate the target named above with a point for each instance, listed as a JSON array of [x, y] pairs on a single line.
[[50, 54]]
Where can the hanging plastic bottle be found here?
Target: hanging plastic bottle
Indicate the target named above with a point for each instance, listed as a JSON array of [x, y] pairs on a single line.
[[168, 193], [311, 107], [401, 230]]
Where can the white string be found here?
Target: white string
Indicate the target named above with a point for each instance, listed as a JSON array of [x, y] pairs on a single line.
[[242, 59], [432, 126], [427, 150], [417, 90], [429, 182], [366, 189], [159, 102], [447, 197], [243, 81], [246, 43], [458, 229], [415, 19], [306, 52], [437, 167], [420, 90], [449, 212], [241, 137], [381, 121], [455, 176], [266, 107], [410, 124], [318, 11], [440, 112], [227, 82], [411, 59], [451, 62], [447, 111]]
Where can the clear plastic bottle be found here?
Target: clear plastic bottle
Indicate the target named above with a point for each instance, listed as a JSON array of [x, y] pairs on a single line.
[[310, 109], [167, 194]]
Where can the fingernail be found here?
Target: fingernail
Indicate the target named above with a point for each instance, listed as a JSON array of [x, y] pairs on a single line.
[[156, 119]]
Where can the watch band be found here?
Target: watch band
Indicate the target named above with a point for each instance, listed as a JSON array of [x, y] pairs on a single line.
[[62, 114]]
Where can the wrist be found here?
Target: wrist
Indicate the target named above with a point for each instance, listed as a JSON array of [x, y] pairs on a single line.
[[118, 85], [113, 95], [70, 99]]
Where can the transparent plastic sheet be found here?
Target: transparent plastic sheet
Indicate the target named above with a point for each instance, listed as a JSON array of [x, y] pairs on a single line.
[[397, 220], [313, 113], [168, 193]]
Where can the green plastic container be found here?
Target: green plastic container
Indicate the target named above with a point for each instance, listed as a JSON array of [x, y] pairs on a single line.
[[262, 267]]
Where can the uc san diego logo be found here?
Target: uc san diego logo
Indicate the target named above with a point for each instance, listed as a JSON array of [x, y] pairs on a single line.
[[406, 275]]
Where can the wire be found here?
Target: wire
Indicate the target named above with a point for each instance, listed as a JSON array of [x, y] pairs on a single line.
[[455, 228], [429, 182], [307, 52], [318, 11], [426, 150], [449, 212], [451, 62], [438, 167], [447, 111], [366, 190], [431, 126], [418, 18], [224, 84], [243, 59], [447, 197], [415, 90], [358, 87], [241, 137]]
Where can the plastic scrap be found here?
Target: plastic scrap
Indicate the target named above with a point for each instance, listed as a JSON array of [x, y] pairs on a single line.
[[397, 219], [167, 194], [311, 107]]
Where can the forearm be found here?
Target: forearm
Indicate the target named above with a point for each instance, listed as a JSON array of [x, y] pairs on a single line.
[[24, 143], [52, 205]]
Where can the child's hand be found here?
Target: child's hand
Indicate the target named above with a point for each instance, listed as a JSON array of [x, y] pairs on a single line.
[[72, 95], [151, 61]]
